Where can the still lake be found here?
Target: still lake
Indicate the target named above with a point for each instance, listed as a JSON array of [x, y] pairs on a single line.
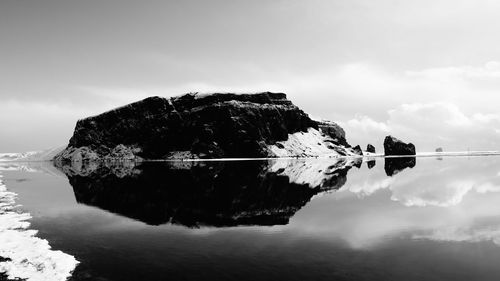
[[423, 218]]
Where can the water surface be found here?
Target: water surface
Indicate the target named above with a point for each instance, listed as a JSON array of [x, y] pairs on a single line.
[[377, 219]]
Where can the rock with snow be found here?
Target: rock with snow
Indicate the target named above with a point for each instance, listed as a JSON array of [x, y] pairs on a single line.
[[370, 148], [312, 143], [219, 125], [334, 131], [77, 154], [394, 146]]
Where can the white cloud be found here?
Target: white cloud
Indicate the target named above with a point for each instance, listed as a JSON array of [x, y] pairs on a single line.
[[490, 70], [456, 112], [368, 125], [430, 125]]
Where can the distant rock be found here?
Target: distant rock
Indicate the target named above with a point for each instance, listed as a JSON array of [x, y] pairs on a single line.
[[439, 149], [370, 148], [357, 150], [215, 125], [393, 146]]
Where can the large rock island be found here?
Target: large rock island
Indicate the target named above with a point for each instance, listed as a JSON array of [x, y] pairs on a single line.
[[218, 125]]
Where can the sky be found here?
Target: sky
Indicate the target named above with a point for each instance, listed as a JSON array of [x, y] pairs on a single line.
[[424, 71]]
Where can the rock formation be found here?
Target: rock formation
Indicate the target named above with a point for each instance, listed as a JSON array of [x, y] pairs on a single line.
[[357, 150], [393, 146], [370, 148], [333, 130], [439, 149], [204, 126]]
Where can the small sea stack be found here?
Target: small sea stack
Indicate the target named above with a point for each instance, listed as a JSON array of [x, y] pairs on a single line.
[[394, 146], [370, 148]]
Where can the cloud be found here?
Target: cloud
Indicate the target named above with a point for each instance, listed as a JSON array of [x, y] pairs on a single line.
[[430, 125], [490, 70], [368, 125], [369, 101]]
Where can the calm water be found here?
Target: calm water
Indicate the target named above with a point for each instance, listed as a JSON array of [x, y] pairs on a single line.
[[387, 219]]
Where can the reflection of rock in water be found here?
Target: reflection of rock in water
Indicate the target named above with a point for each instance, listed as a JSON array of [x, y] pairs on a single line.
[[205, 193], [396, 165], [358, 163], [370, 164], [322, 174]]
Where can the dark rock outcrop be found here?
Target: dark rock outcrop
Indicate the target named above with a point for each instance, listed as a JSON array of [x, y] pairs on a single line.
[[439, 149], [370, 164], [370, 148], [193, 126], [357, 150], [395, 165], [393, 146]]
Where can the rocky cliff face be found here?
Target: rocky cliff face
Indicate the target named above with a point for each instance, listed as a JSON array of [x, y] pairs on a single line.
[[204, 126]]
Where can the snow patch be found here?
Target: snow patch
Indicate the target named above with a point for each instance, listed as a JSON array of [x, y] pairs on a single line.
[[27, 257], [308, 144]]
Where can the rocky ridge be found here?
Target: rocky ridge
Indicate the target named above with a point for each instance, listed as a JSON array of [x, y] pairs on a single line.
[[219, 125]]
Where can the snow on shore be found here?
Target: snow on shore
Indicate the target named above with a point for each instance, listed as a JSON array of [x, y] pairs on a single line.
[[24, 255]]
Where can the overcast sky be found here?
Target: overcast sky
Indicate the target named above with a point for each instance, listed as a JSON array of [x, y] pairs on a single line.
[[424, 71]]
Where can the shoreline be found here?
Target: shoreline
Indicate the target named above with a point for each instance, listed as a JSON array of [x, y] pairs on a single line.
[[368, 156]]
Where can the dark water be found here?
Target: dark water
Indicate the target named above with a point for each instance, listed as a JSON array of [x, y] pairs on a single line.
[[383, 219]]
